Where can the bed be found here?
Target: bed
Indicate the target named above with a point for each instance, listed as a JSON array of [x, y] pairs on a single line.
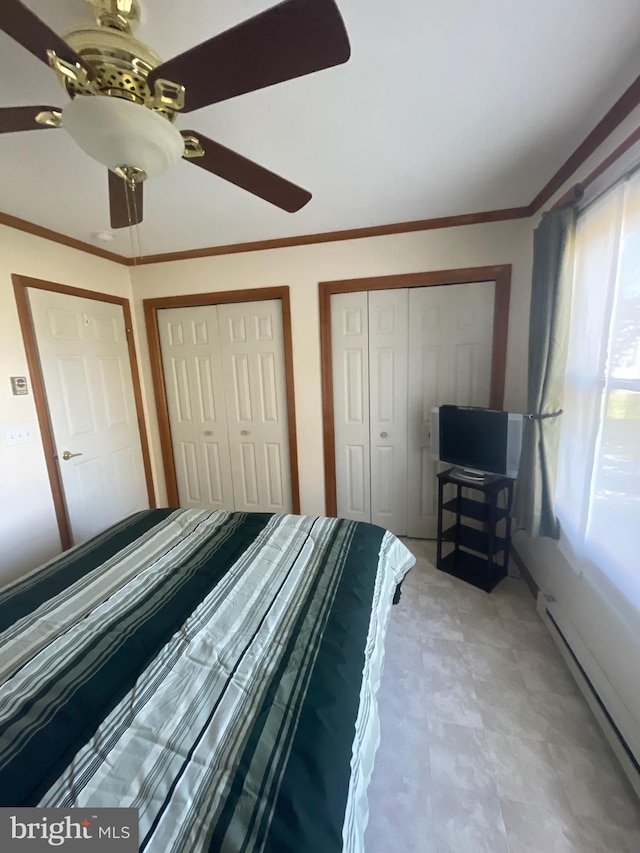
[[217, 671]]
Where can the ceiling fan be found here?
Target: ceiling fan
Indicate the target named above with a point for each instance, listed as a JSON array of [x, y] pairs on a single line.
[[124, 99]]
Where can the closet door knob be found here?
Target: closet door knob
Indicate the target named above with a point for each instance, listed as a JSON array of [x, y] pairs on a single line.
[[244, 432], [384, 435]]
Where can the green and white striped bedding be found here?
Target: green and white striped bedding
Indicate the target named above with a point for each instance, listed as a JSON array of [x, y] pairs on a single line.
[[216, 671]]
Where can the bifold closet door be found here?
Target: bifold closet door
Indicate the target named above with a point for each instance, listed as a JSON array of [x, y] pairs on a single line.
[[450, 347], [396, 354], [226, 394], [369, 334]]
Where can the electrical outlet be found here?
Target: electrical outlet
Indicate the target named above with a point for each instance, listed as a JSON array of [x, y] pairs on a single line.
[[17, 435]]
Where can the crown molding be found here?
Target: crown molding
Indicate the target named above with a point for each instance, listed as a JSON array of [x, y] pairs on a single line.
[[57, 237], [337, 236], [276, 243], [616, 115]]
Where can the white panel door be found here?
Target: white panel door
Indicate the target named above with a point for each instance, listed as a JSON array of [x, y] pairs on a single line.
[[388, 353], [82, 345], [191, 362], [252, 349], [450, 347], [350, 357]]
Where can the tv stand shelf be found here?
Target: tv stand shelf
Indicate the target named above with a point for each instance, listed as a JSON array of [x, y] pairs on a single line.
[[472, 509], [470, 537], [475, 553]]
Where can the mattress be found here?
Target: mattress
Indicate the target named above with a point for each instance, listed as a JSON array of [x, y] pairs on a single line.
[[216, 671]]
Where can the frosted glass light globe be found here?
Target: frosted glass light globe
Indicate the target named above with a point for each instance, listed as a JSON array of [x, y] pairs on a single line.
[[117, 132]]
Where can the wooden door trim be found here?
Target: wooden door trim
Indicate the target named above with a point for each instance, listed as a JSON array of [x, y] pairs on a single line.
[[20, 285], [501, 274], [259, 294]]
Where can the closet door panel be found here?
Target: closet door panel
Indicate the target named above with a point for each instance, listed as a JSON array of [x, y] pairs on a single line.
[[190, 347], [388, 353], [252, 353], [350, 337], [474, 309]]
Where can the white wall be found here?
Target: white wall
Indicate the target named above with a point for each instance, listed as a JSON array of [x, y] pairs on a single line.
[[302, 268], [28, 530]]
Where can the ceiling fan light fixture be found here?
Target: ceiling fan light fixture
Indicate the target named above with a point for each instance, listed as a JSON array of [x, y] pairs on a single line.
[[120, 133]]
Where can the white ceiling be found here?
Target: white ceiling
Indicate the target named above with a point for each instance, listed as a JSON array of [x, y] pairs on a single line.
[[444, 108]]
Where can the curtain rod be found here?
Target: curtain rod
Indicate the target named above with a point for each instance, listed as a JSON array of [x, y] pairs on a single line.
[[543, 417], [575, 193], [572, 196]]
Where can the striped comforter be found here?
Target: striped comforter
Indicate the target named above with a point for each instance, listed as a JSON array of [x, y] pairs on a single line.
[[216, 671]]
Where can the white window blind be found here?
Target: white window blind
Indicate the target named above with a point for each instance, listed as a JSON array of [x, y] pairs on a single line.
[[598, 487]]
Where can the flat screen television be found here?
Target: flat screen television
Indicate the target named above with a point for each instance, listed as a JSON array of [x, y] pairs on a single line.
[[479, 442]]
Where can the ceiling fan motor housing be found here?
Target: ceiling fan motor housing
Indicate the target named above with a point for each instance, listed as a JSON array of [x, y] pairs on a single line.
[[121, 64]]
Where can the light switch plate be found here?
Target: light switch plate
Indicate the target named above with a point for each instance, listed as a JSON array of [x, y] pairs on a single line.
[[17, 435]]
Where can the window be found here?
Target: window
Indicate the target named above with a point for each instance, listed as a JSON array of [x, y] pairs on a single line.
[[598, 489]]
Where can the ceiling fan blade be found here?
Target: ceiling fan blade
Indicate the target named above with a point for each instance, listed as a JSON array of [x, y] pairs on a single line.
[[125, 204], [22, 25], [247, 175], [14, 119], [294, 38]]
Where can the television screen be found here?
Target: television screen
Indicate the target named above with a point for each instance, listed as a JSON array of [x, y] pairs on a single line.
[[479, 440]]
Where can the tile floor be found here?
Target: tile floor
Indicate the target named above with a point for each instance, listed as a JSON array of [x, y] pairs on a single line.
[[487, 746]]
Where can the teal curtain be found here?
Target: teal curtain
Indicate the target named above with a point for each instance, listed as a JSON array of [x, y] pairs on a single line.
[[548, 340]]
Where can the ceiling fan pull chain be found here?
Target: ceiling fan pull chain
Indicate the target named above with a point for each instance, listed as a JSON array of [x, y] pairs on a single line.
[[138, 253], [128, 200], [133, 217]]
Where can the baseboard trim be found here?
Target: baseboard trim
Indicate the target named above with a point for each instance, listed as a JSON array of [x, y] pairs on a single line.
[[596, 696], [611, 731]]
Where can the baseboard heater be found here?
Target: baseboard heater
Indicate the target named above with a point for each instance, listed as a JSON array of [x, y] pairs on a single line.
[[552, 615]]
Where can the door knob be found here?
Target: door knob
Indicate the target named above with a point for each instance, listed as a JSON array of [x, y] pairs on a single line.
[[244, 432], [68, 455], [384, 435]]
